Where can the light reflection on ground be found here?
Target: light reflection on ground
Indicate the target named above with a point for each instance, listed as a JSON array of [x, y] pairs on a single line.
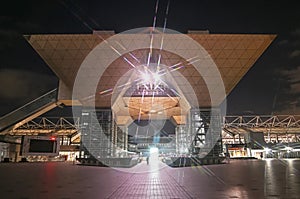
[[268, 178]]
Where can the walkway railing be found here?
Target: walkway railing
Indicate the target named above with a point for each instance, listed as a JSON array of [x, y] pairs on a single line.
[[275, 124], [58, 126]]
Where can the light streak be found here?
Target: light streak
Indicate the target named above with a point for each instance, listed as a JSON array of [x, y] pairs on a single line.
[[140, 113], [152, 99], [90, 28], [177, 68], [173, 90], [160, 73], [105, 91], [151, 32], [162, 38], [172, 98]]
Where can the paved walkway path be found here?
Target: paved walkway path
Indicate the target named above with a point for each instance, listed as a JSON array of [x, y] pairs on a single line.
[[245, 179], [150, 181]]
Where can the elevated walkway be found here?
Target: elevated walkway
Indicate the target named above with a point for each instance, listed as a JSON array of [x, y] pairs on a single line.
[[280, 124], [28, 112]]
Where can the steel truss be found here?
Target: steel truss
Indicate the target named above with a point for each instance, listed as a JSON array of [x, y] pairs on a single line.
[[278, 123], [283, 128], [62, 126], [276, 128]]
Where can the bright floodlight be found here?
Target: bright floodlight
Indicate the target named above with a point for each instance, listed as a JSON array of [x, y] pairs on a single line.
[[153, 150], [149, 77], [156, 77], [288, 148], [267, 150], [146, 77], [183, 150]]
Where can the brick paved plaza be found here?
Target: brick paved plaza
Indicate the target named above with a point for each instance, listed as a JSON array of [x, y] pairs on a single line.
[[239, 179]]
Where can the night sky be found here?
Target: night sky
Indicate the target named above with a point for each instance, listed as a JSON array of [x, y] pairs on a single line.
[[271, 86]]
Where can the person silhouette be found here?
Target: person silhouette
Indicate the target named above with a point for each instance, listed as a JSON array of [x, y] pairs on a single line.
[[147, 159]]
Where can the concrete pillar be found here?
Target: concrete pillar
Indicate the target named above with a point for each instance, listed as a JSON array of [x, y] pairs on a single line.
[[14, 151], [4, 153]]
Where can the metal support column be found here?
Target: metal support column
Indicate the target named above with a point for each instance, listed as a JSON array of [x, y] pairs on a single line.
[[182, 139], [123, 134], [206, 130], [114, 138]]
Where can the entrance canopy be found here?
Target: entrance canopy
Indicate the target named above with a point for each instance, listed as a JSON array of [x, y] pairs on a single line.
[[197, 65]]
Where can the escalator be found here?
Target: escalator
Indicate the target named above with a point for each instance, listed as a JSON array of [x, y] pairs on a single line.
[[28, 112]]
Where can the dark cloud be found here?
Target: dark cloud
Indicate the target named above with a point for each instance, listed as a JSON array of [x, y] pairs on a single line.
[[288, 93], [23, 84], [283, 42], [20, 86], [295, 38], [287, 73], [294, 79], [296, 33], [295, 53]]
